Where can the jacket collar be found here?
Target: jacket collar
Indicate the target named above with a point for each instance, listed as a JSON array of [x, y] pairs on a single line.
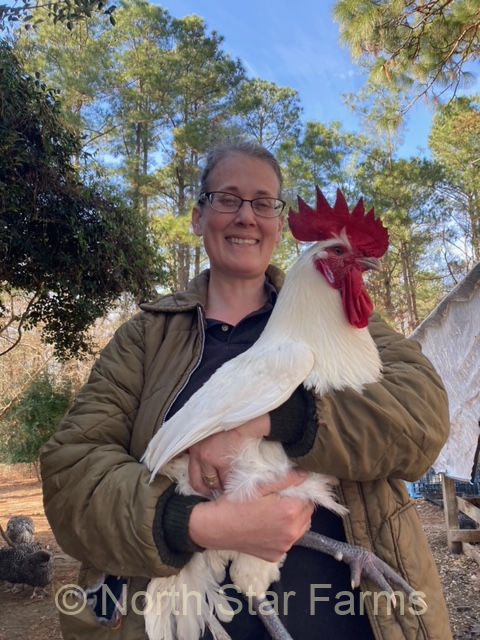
[[196, 293]]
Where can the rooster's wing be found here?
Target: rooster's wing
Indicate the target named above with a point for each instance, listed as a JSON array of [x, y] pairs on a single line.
[[248, 386]]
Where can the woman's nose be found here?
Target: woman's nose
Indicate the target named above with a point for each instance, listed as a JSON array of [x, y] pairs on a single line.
[[245, 214]]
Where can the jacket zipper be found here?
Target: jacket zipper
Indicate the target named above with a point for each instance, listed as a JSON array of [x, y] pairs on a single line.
[[201, 322]]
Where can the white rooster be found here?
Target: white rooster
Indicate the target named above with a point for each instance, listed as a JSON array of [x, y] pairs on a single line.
[[316, 335]]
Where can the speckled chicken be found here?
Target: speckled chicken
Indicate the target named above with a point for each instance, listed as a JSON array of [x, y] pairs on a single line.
[[29, 564], [20, 530], [26, 564], [23, 561]]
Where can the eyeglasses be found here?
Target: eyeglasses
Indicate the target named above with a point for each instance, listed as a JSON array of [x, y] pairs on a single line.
[[230, 203]]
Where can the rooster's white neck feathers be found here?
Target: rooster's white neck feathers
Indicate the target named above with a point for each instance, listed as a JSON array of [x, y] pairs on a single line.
[[308, 310]]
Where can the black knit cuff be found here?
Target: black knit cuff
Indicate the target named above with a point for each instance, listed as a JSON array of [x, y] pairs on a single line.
[[294, 423], [170, 527]]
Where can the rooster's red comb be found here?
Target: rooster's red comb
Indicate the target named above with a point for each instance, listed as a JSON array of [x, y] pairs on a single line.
[[365, 232]]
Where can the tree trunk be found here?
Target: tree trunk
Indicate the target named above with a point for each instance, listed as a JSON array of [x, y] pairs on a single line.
[[183, 266], [409, 287], [145, 172], [197, 261], [474, 214], [387, 283], [136, 167]]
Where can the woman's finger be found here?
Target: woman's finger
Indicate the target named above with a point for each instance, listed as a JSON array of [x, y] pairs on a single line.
[[293, 478], [195, 475]]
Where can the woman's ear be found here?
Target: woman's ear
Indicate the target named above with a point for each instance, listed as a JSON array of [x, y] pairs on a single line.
[[196, 221]]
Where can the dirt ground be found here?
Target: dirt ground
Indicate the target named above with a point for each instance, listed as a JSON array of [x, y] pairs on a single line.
[[21, 617]]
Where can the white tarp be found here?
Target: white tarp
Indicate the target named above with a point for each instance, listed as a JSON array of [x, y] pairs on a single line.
[[450, 338]]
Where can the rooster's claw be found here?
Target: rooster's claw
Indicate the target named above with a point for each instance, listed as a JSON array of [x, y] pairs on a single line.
[[362, 563]]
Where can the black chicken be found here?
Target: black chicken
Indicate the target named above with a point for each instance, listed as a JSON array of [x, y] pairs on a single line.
[[25, 562]]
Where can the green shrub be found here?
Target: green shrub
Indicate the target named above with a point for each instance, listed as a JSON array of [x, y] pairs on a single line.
[[33, 419]]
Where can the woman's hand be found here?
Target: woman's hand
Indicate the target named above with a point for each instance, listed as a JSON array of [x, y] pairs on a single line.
[[265, 527], [210, 459]]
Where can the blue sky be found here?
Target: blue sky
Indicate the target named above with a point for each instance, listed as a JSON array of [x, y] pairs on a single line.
[[296, 44]]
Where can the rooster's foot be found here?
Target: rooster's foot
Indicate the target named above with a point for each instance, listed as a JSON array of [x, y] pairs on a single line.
[[362, 563]]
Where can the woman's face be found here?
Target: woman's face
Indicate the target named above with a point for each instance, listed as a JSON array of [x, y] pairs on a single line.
[[239, 244]]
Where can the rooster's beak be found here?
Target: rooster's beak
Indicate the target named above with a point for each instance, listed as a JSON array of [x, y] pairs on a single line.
[[370, 263]]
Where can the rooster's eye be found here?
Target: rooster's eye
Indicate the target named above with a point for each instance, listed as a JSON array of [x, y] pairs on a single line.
[[338, 251]]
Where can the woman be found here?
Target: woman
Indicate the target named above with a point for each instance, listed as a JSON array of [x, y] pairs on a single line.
[[104, 512]]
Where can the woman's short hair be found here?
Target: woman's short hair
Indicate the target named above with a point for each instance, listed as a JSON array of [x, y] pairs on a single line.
[[252, 149]]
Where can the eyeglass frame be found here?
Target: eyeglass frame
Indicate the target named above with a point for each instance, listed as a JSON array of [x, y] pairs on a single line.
[[205, 195]]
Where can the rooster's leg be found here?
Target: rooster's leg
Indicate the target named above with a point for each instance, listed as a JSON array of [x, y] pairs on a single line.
[[270, 619], [362, 563], [264, 609], [217, 630]]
